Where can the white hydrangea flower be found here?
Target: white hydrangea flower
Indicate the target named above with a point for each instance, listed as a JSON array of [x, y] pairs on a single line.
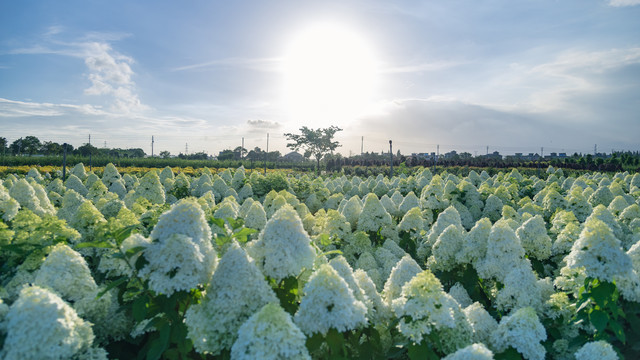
[[40, 325], [446, 248], [493, 208], [356, 244], [377, 310], [87, 219], [402, 272], [412, 221], [474, 248], [25, 194], [8, 206], [79, 171], [599, 252], [270, 334], [424, 307], [481, 321], [386, 261], [373, 216], [602, 196], [336, 225], [150, 188], [409, 202], [342, 267], [596, 350], [504, 251], [66, 272], [520, 289], [328, 303], [352, 210], [476, 351], [566, 238], [70, 204], [534, 239], [283, 247], [236, 291], [458, 292], [255, 217], [522, 331], [74, 183], [181, 256], [449, 216], [368, 263]]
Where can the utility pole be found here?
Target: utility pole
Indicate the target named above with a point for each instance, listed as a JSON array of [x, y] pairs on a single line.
[[64, 162], [90, 167], [242, 148], [186, 148], [487, 150], [266, 156], [390, 160], [362, 146], [152, 145]]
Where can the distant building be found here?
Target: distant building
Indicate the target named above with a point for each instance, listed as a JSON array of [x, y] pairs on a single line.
[[294, 157]]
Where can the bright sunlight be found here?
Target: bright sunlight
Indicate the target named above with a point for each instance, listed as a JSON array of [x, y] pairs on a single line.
[[330, 74]]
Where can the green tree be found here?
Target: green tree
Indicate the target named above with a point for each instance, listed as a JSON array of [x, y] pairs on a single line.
[[317, 142], [165, 154]]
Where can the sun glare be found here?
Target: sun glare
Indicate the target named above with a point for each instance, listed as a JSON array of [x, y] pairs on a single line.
[[329, 75]]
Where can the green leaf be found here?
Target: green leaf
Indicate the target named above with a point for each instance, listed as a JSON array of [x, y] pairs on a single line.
[[123, 233], [133, 251], [121, 280], [159, 345], [314, 342], [242, 235], [599, 319], [139, 308], [602, 293], [335, 340], [332, 252], [618, 331], [421, 351], [216, 221], [95, 244], [509, 354]]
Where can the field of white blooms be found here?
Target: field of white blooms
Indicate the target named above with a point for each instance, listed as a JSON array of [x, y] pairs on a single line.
[[240, 265]]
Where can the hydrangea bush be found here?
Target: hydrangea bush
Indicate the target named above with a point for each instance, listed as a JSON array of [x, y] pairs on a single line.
[[224, 263]]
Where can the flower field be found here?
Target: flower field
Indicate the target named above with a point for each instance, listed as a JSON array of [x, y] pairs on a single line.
[[196, 265]]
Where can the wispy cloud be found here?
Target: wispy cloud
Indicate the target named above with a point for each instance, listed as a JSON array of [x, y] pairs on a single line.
[[110, 72], [264, 64], [18, 109], [620, 3], [422, 67]]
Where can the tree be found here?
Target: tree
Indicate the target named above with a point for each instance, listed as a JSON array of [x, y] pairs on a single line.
[[165, 154], [314, 142], [51, 148], [226, 155], [87, 149]]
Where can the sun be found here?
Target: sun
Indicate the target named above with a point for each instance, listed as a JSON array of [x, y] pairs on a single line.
[[329, 75]]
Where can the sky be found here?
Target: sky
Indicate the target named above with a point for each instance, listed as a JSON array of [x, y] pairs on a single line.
[[465, 75]]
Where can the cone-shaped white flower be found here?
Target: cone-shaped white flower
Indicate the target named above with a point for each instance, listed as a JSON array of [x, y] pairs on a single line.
[[328, 303], [283, 247], [270, 334], [237, 290], [599, 252], [40, 325], [523, 331]]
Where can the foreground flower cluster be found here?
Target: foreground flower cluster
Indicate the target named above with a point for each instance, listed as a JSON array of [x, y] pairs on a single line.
[[241, 265]]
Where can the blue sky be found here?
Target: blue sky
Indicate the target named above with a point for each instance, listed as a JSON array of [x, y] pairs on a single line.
[[462, 74]]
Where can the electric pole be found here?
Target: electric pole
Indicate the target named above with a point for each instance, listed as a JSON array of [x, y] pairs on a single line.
[[266, 156], [242, 148], [391, 160], [90, 167], [152, 145]]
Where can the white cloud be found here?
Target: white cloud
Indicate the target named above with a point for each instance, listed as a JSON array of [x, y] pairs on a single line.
[[619, 3], [264, 64], [110, 72]]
